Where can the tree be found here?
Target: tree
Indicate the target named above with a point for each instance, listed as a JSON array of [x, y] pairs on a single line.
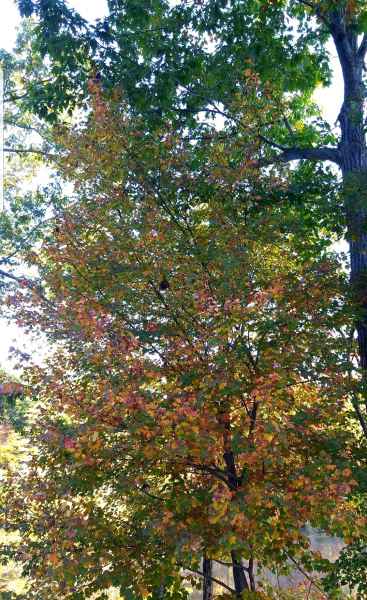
[[178, 61], [189, 408]]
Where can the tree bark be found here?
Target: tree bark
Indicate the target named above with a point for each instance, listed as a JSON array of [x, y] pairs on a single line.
[[353, 162], [239, 575], [208, 582], [355, 194], [351, 157], [251, 574], [234, 482]]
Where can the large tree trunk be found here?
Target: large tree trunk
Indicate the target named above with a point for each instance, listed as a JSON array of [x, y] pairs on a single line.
[[355, 190], [354, 165], [355, 197], [353, 162], [355, 200], [353, 153]]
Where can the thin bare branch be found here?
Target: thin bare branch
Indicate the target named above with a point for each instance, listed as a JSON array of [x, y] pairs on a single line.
[[218, 581], [29, 151], [211, 470], [10, 276], [305, 574]]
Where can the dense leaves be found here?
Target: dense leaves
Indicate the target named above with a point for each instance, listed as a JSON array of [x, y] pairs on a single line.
[[198, 401], [177, 59]]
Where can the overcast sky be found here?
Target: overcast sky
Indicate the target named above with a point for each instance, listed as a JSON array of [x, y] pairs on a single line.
[[328, 99]]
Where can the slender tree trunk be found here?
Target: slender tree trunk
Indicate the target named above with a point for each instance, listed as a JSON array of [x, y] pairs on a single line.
[[208, 582], [251, 575], [239, 575]]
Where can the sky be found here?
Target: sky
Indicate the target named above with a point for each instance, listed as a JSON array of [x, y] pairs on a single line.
[[89, 9], [328, 99], [10, 334]]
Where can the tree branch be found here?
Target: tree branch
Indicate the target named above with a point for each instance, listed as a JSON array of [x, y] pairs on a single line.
[[304, 573], [12, 123], [360, 416], [295, 153], [344, 44], [316, 11], [218, 581], [153, 496], [28, 151], [14, 97], [10, 276], [321, 153], [227, 564], [271, 143], [362, 50], [211, 470]]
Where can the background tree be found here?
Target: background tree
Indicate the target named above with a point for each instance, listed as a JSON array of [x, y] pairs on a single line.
[[13, 409], [29, 190]]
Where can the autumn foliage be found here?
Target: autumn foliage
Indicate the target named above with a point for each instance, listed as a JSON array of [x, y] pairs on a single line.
[[197, 399]]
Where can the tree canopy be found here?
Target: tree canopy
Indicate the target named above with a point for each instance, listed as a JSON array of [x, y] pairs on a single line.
[[206, 393]]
